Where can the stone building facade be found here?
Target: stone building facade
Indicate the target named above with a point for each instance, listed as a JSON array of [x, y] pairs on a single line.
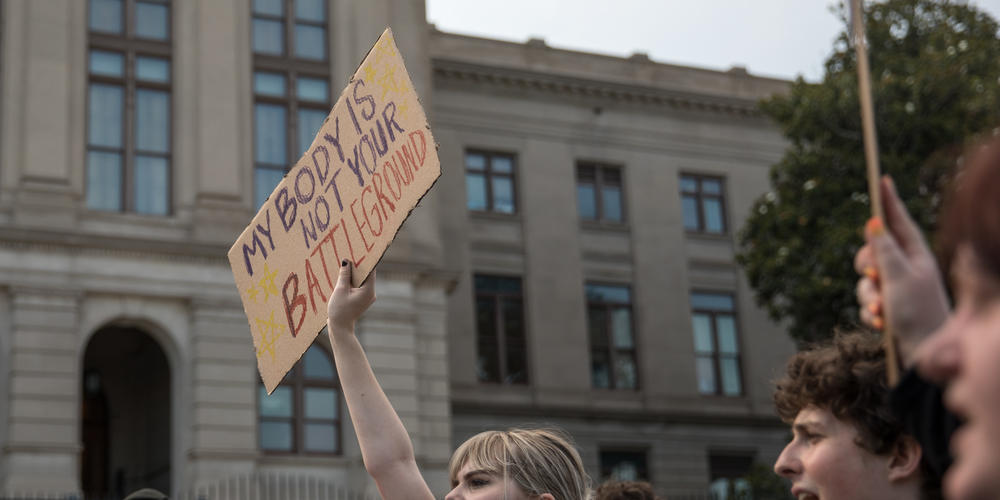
[[573, 266]]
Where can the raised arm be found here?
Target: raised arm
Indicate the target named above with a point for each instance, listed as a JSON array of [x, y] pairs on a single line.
[[900, 275], [385, 445]]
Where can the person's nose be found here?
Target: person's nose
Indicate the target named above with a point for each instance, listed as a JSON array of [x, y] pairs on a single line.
[[788, 464], [454, 494]]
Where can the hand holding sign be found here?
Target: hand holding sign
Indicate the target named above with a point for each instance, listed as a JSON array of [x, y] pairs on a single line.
[[371, 162]]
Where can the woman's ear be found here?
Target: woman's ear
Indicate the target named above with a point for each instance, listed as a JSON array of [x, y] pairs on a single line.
[[905, 460]]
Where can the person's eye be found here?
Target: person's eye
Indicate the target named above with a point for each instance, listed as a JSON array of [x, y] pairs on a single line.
[[812, 437], [478, 482]]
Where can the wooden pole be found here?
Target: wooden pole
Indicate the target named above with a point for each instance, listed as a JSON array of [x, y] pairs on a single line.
[[871, 161]]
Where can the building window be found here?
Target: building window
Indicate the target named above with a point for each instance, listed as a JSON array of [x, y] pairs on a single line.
[[703, 204], [599, 193], [501, 344], [302, 415], [619, 465], [489, 182], [728, 474], [129, 106], [290, 85], [612, 343], [716, 344]]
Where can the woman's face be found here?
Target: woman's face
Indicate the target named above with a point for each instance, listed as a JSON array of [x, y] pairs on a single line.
[[965, 353], [474, 484]]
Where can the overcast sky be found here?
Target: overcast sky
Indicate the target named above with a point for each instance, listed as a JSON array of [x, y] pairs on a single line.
[[781, 38]]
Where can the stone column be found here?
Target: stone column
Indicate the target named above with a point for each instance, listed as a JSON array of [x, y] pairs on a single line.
[[43, 446]]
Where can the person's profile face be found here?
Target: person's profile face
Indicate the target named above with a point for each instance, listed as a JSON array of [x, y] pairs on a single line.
[[475, 484], [824, 462], [965, 354]]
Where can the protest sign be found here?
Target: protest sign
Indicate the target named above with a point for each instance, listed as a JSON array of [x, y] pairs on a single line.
[[370, 163]]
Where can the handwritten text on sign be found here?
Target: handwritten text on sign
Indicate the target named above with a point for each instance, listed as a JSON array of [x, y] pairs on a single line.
[[345, 199]]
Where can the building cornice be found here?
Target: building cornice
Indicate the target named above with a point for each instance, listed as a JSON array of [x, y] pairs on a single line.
[[455, 72]]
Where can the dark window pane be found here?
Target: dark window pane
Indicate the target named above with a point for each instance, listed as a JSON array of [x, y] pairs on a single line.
[[277, 404], [106, 63], [689, 185], [611, 196], [310, 121], [310, 42], [597, 324], [263, 184], [587, 202], [276, 436], [317, 365], [475, 161], [310, 10], [706, 375], [270, 84], [586, 173], [269, 139], [625, 374], [517, 363], [320, 403], [152, 185], [151, 20], [152, 120], [487, 360], [712, 302], [152, 69], [502, 165], [312, 89], [703, 342], [689, 207], [731, 385], [608, 293], [106, 15], [503, 195], [321, 437], [611, 176], [475, 186], [269, 7], [513, 324], [104, 181], [713, 215], [726, 328], [268, 37], [486, 317], [621, 328], [105, 123], [600, 370], [711, 186], [497, 284]]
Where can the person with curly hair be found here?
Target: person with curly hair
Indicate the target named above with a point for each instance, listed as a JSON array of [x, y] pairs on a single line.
[[846, 442]]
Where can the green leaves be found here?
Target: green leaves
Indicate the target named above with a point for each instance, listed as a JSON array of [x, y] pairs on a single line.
[[936, 84]]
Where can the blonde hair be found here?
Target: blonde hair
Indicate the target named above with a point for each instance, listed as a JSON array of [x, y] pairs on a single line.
[[536, 460]]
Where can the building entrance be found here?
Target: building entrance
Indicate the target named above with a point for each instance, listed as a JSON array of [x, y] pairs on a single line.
[[125, 414]]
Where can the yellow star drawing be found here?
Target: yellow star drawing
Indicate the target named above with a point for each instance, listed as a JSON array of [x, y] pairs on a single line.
[[369, 74], [252, 293], [266, 283], [269, 333]]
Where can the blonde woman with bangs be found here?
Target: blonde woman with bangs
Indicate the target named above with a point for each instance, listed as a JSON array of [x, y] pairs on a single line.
[[517, 464]]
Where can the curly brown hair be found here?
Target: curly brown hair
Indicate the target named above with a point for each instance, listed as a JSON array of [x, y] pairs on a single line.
[[625, 490], [847, 377]]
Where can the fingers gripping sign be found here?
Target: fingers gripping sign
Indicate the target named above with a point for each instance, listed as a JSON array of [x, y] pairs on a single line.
[[347, 304]]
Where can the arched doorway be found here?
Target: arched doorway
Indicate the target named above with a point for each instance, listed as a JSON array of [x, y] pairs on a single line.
[[125, 413]]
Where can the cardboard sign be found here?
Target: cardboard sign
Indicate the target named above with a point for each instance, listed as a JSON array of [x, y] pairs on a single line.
[[345, 199]]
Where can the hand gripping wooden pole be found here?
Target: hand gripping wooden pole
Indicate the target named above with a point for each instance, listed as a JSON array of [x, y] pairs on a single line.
[[871, 161]]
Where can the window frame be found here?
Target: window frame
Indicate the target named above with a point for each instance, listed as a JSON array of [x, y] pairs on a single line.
[[638, 451], [600, 172], [716, 352], [498, 323], [291, 68], [488, 175], [131, 46], [612, 350], [298, 382], [700, 196]]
